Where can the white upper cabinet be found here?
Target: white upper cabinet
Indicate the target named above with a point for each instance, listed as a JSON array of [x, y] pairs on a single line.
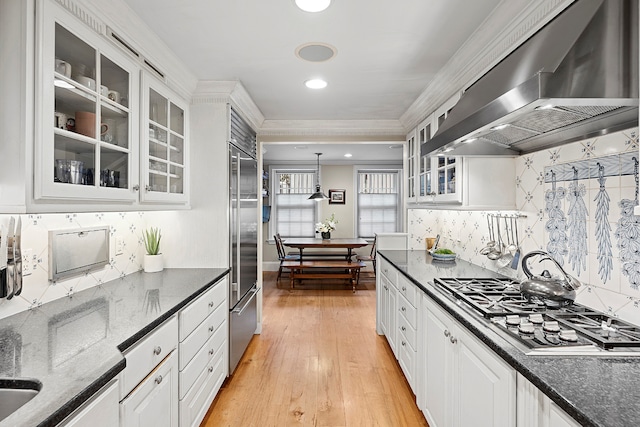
[[412, 156], [164, 134], [86, 114], [108, 134]]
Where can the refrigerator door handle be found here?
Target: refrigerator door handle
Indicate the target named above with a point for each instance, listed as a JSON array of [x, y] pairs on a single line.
[[250, 295]]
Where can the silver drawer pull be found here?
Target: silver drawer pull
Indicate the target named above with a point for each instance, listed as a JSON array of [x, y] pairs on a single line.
[[404, 289], [210, 328], [211, 304], [446, 333], [210, 368], [403, 329], [157, 350], [403, 308], [404, 343], [211, 352], [453, 339], [159, 379]]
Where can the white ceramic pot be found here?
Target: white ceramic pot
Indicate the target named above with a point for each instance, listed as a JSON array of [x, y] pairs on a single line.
[[153, 263]]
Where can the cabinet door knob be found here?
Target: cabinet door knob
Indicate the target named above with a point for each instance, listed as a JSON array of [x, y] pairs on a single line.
[[403, 308], [159, 379], [157, 350], [404, 289], [147, 188], [136, 187], [211, 352], [403, 329], [446, 333], [210, 328], [211, 304], [404, 343], [210, 369], [453, 339]]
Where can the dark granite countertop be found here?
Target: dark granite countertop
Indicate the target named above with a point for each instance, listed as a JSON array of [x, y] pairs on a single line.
[[597, 391], [73, 345]]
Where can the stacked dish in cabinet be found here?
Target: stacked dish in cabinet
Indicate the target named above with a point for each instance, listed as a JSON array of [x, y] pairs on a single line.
[[203, 352]]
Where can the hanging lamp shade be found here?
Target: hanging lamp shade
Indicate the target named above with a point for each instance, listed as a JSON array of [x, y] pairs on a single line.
[[318, 195]]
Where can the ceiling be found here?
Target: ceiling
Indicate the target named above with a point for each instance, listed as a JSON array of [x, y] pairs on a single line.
[[387, 54], [387, 51]]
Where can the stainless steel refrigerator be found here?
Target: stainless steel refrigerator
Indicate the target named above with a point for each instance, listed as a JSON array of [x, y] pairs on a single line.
[[243, 192]]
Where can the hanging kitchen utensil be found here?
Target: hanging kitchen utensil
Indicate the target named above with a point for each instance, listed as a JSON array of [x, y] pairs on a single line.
[[507, 255], [491, 242], [17, 288], [546, 289], [516, 256], [577, 224], [11, 266], [496, 251]]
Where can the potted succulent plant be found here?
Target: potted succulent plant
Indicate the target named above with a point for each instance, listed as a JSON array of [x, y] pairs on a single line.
[[153, 257]]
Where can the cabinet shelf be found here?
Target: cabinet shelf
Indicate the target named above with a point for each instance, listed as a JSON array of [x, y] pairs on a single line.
[[164, 144], [170, 175], [74, 142]]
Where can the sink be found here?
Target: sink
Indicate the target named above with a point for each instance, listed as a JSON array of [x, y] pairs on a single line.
[[15, 392]]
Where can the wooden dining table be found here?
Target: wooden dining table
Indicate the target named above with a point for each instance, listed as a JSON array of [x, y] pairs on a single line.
[[302, 243]]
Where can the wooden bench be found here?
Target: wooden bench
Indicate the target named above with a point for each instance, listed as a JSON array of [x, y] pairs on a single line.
[[322, 255], [325, 269]]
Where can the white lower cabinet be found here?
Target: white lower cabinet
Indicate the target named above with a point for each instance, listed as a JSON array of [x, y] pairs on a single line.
[[407, 327], [386, 282], [101, 410], [154, 402], [535, 409], [203, 352], [465, 383]]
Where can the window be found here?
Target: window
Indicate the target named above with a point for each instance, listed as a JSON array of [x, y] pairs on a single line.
[[293, 215], [378, 202]]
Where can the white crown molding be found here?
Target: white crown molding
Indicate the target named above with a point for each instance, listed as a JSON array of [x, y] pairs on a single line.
[[508, 26], [117, 15], [232, 92], [287, 130]]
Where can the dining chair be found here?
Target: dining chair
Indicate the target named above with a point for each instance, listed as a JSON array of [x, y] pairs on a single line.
[[371, 257], [282, 256]]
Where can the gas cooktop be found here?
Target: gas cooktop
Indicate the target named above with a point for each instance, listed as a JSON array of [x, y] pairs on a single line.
[[541, 329]]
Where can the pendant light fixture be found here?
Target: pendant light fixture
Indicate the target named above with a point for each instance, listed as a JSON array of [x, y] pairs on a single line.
[[318, 195]]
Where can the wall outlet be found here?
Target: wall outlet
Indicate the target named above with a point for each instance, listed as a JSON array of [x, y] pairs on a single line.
[[119, 246], [28, 265]]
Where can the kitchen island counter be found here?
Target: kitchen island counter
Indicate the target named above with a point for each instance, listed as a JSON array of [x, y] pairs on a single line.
[[595, 390], [73, 345]]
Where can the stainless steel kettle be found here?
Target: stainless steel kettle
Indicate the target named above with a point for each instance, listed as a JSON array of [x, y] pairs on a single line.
[[547, 289]]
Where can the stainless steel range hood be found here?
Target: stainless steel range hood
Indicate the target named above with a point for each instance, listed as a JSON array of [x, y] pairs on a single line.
[[575, 78]]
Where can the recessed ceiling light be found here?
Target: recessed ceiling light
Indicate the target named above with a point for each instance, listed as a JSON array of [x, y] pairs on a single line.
[[348, 155], [315, 84], [313, 5]]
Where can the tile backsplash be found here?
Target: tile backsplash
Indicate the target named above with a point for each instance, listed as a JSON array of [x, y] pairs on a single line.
[[125, 227], [576, 202]]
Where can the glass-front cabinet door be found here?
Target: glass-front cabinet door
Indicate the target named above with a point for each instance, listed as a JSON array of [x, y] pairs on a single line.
[[164, 144], [87, 104], [424, 170], [411, 167]]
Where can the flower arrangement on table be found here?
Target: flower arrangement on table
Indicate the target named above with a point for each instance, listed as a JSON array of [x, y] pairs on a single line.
[[325, 228]]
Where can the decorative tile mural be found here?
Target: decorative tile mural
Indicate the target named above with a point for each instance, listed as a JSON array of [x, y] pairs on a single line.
[[574, 201], [37, 289]]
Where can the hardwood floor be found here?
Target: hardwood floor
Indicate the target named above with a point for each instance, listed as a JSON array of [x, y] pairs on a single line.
[[318, 362]]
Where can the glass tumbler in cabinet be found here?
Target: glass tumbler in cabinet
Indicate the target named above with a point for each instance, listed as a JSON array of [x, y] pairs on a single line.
[[165, 174], [85, 89]]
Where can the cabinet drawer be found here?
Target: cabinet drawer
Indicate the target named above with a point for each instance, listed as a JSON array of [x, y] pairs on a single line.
[[407, 311], [101, 410], [408, 290], [146, 355], [190, 346], [407, 332], [196, 402], [407, 360], [201, 360], [192, 315], [388, 270]]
